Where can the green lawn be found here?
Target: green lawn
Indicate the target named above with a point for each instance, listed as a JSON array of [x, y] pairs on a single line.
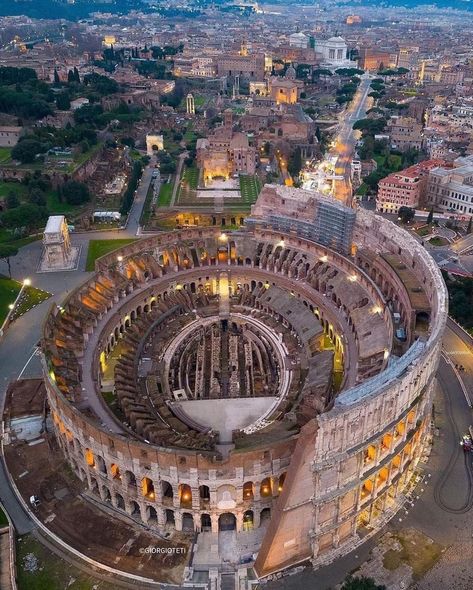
[[362, 189], [8, 293], [48, 571], [165, 194], [9, 290], [191, 177], [55, 207], [98, 248], [15, 187], [5, 154], [250, 187]]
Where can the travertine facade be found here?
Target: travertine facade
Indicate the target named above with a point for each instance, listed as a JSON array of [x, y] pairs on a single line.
[[340, 436]]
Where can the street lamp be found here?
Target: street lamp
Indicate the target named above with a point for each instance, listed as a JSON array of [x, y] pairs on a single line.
[[26, 282]]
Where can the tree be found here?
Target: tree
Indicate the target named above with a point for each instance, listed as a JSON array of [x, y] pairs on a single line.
[[25, 151], [6, 252], [57, 81], [63, 101], [37, 197], [468, 229], [28, 216], [430, 216], [406, 214], [361, 583], [12, 200], [75, 193]]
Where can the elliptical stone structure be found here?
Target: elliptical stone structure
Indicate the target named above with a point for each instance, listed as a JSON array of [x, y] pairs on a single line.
[[346, 409]]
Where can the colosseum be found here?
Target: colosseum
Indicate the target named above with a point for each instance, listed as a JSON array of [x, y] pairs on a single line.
[[272, 384]]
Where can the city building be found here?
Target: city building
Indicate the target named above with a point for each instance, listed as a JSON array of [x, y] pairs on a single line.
[[451, 189], [406, 188], [225, 152], [405, 133], [9, 135]]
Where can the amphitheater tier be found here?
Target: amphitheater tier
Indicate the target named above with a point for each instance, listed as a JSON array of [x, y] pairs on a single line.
[[327, 361]]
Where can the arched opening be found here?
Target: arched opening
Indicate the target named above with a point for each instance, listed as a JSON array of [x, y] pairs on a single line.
[[94, 486], [89, 458], [248, 519], [422, 321], [265, 488], [248, 493], [119, 501], [170, 517], [187, 522], [106, 494], [204, 493], [151, 514], [101, 465], [265, 516], [130, 478], [135, 509], [115, 471], [147, 488], [166, 489], [185, 495], [281, 481], [205, 522], [227, 522]]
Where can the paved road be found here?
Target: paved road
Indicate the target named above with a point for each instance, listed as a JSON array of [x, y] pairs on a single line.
[[346, 139]]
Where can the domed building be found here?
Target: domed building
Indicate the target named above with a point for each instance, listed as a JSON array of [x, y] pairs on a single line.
[[334, 53], [261, 396]]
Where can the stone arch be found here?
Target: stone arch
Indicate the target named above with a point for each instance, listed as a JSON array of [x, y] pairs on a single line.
[[106, 496], [281, 480], [135, 509], [227, 522], [205, 522], [204, 493], [185, 495], [166, 489], [248, 520], [265, 516], [248, 490], [100, 463], [115, 471], [147, 488], [89, 458], [169, 517], [266, 488], [94, 486], [130, 478], [151, 514], [187, 522], [119, 501]]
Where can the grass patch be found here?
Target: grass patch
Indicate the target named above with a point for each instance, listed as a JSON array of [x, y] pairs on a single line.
[[190, 177], [8, 293], [5, 154], [250, 187], [418, 551], [423, 231], [362, 189], [9, 290], [19, 189], [56, 207], [438, 241], [49, 572], [165, 194], [98, 248]]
